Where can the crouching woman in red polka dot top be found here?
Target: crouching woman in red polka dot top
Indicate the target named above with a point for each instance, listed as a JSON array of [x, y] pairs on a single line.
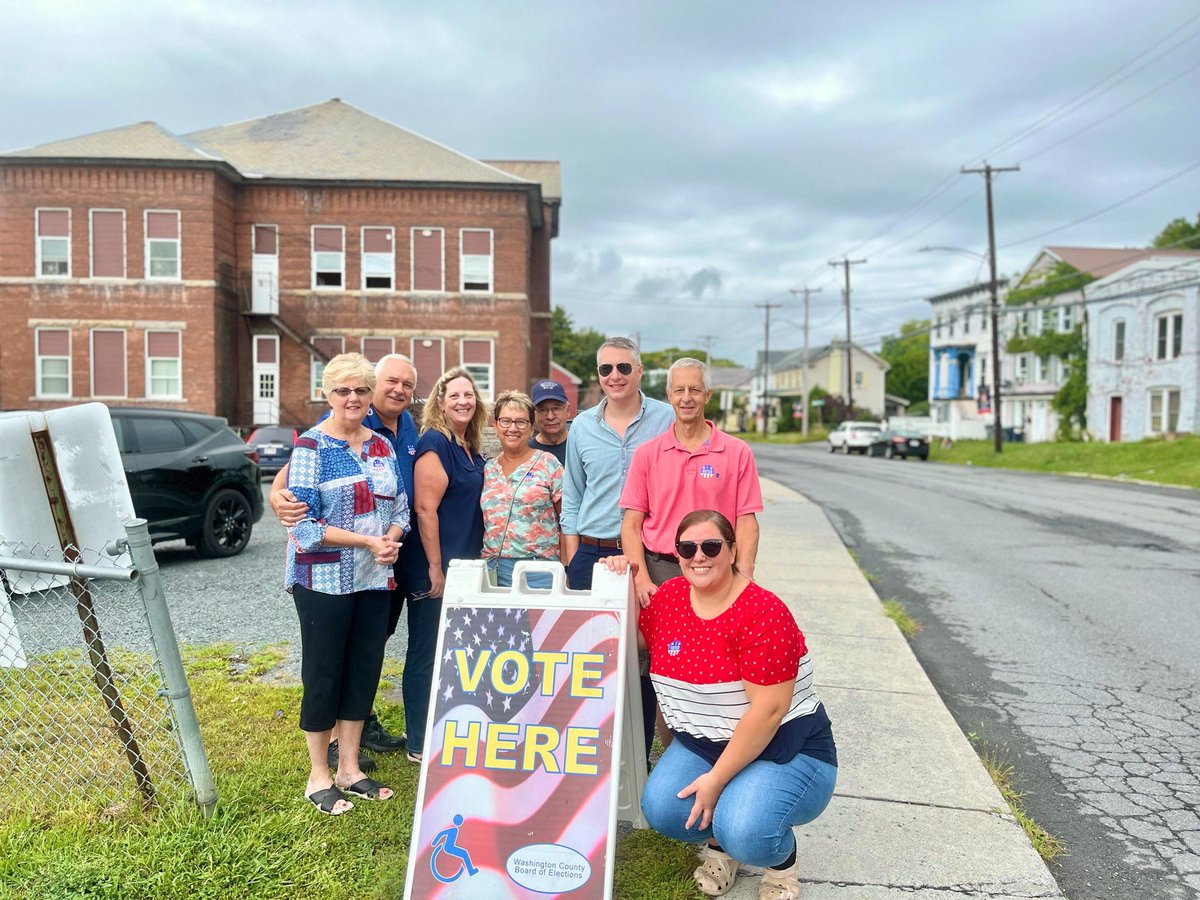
[[752, 751]]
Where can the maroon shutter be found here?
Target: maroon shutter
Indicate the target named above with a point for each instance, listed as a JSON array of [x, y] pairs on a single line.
[[477, 353], [428, 362], [264, 350], [427, 259], [54, 223], [266, 240], [477, 243], [376, 348], [108, 244], [162, 225], [161, 344], [327, 240], [330, 346], [108, 364], [377, 240], [54, 343]]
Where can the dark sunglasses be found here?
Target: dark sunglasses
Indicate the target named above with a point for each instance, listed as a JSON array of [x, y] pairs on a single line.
[[606, 369], [687, 549]]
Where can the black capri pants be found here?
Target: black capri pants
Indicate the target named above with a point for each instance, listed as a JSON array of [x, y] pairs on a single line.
[[341, 654]]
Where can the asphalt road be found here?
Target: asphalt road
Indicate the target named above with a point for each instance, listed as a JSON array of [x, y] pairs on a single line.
[[1061, 623]]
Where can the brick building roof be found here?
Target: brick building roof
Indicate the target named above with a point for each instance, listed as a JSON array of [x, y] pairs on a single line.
[[1101, 261], [145, 140]]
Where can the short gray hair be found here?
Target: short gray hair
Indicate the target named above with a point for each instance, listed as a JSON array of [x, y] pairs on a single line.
[[687, 362], [399, 356], [621, 343]]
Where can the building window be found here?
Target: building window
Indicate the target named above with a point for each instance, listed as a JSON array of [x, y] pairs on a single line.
[[378, 259], [477, 359], [376, 348], [950, 326], [53, 243], [328, 256], [428, 271], [1068, 318], [164, 365], [1022, 367], [475, 261], [429, 358], [858, 378], [1119, 340], [108, 243], [1169, 330], [1049, 317], [937, 328], [108, 363], [162, 245], [967, 322], [1164, 410], [53, 348], [331, 347]]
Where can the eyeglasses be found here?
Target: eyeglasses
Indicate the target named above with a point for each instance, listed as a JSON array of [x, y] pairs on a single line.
[[687, 549], [606, 369], [519, 424], [357, 392]]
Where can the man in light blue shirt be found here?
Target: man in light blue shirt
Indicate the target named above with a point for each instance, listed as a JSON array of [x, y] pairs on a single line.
[[600, 448]]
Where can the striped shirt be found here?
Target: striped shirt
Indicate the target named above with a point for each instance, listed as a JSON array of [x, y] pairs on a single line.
[[700, 667]]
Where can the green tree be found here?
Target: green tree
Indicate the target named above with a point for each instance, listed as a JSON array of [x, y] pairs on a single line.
[[1179, 233], [1071, 400], [572, 349], [908, 356], [1039, 285]]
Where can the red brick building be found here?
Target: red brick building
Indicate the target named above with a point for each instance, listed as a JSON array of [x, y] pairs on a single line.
[[217, 271]]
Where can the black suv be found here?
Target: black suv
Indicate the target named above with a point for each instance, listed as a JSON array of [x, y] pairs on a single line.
[[191, 477]]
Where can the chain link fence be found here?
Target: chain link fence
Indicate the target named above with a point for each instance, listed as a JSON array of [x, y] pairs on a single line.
[[92, 691]]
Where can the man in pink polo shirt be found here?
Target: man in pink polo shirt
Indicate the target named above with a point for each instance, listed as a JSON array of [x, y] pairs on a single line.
[[690, 466]]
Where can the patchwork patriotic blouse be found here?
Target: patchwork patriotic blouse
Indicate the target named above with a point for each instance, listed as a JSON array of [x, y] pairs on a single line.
[[358, 492], [698, 667], [519, 521]]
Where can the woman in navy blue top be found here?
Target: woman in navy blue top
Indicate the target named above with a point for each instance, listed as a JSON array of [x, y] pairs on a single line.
[[447, 482]]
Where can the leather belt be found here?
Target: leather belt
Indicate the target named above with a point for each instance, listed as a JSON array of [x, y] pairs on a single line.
[[606, 543], [663, 557]]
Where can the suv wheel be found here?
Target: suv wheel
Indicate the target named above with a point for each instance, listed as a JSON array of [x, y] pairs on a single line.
[[226, 527]]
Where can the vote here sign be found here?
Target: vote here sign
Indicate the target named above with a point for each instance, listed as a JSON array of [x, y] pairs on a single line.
[[519, 781]]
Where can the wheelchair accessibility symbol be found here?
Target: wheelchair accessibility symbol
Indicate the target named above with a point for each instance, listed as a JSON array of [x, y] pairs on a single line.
[[446, 844]]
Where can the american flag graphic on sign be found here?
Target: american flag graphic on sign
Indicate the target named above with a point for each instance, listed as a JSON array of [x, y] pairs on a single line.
[[520, 769]]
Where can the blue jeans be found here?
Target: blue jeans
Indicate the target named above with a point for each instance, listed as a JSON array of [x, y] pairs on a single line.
[[755, 813], [503, 567]]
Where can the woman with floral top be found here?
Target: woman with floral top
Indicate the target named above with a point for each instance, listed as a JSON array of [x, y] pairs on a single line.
[[522, 495], [339, 572]]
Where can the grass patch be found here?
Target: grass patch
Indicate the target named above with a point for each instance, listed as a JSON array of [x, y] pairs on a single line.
[[870, 576], [815, 435], [1163, 461], [264, 840], [895, 611], [1003, 775]]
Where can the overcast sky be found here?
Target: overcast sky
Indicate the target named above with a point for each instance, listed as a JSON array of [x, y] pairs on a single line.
[[714, 155]]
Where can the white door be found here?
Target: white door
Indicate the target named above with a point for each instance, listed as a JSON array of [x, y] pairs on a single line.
[[264, 271], [266, 379]]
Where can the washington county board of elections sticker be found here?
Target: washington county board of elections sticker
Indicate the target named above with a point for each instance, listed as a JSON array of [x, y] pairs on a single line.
[[548, 868]]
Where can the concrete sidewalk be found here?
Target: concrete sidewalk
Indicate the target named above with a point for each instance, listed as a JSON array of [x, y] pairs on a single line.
[[915, 815]]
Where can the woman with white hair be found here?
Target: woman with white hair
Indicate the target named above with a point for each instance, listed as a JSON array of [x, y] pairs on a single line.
[[339, 572]]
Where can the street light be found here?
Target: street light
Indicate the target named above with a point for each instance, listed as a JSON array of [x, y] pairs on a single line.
[[994, 306]]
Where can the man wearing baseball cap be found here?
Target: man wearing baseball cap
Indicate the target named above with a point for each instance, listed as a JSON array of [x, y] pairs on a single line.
[[551, 408]]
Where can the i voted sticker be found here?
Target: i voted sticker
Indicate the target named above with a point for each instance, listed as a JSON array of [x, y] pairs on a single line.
[[674, 647]]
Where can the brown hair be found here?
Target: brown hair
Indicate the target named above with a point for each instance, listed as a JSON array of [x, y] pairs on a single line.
[[432, 416], [699, 516], [513, 398]]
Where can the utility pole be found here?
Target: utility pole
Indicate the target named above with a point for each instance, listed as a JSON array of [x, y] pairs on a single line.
[[766, 358], [986, 172], [706, 341], [846, 264], [804, 371]]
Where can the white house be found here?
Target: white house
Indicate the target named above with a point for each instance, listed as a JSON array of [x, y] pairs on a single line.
[[960, 352], [1143, 336], [826, 369]]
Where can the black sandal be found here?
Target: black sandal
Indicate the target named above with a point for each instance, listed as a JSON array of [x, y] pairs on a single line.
[[368, 789], [325, 800]]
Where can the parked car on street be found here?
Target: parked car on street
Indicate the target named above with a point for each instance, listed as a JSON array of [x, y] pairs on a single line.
[[854, 437], [191, 477], [273, 443], [901, 443]]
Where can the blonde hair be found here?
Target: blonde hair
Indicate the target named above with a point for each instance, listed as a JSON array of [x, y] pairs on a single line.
[[433, 417], [344, 366], [513, 398]]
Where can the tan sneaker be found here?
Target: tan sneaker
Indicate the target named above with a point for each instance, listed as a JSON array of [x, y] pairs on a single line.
[[780, 884], [716, 875]]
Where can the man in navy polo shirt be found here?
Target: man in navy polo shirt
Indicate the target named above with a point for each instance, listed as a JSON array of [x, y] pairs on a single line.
[[395, 382]]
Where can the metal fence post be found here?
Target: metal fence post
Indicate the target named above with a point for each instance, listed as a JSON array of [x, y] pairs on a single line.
[[162, 633]]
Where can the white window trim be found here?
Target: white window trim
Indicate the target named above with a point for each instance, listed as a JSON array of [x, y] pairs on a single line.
[[1169, 317], [488, 394], [1164, 392], [312, 246], [362, 256], [92, 368], [38, 392], [1124, 329], [124, 246], [491, 280], [315, 395], [146, 240], [412, 258], [148, 360], [37, 239], [275, 228]]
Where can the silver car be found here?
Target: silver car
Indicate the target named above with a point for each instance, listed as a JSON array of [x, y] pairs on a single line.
[[854, 437]]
